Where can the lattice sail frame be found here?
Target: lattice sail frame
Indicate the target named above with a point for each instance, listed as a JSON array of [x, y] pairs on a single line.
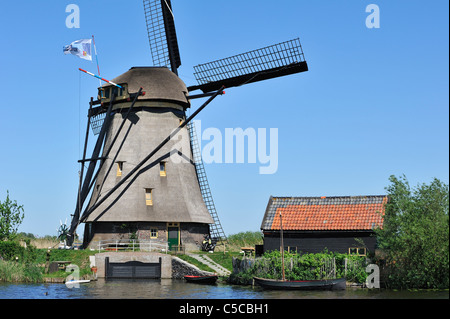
[[162, 34], [261, 64]]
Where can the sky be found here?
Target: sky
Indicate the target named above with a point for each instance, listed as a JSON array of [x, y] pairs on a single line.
[[374, 103]]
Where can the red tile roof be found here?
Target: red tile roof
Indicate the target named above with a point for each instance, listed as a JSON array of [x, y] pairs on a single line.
[[325, 213]]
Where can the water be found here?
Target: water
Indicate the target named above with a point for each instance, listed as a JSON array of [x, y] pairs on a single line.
[[178, 289]]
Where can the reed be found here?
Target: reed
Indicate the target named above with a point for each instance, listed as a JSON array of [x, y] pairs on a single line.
[[244, 239], [11, 271], [44, 243]]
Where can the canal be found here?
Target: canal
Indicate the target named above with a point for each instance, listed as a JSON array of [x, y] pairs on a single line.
[[178, 289]]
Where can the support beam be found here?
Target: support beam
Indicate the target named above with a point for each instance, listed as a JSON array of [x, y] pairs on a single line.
[[90, 172], [106, 154]]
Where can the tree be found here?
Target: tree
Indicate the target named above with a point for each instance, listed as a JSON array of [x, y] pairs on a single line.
[[415, 234], [11, 216]]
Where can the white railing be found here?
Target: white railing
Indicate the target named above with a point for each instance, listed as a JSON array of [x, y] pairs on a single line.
[[132, 245]]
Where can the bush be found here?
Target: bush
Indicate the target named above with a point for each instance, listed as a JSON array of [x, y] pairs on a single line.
[[415, 235], [9, 250]]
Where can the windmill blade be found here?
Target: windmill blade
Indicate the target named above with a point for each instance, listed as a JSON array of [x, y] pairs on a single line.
[[162, 34], [267, 63]]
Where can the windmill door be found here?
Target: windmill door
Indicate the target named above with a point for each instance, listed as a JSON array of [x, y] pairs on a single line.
[[173, 235]]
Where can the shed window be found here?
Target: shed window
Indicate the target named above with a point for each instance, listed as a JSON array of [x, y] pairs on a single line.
[[149, 197], [153, 233], [357, 251]]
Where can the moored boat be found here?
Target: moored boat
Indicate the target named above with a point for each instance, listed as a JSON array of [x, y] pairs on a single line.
[[73, 283], [205, 280], [325, 284]]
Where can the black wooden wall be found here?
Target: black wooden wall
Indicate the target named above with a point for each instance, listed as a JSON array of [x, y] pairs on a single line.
[[316, 242]]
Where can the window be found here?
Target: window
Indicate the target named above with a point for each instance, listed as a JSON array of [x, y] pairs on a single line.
[[357, 251], [119, 168], [106, 92], [153, 233], [149, 197], [173, 224], [162, 169]]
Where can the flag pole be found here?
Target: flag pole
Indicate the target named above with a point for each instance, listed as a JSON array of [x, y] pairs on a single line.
[[96, 58]]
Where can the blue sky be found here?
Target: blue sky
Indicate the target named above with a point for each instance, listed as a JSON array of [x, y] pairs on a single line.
[[374, 103]]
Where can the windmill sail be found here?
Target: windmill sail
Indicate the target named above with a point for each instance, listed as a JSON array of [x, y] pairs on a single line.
[[162, 34], [216, 228], [270, 62], [97, 122]]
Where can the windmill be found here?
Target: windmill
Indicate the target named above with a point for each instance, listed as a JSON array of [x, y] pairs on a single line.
[[143, 176], [63, 233]]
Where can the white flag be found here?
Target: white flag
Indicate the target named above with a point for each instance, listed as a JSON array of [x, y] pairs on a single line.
[[80, 48]]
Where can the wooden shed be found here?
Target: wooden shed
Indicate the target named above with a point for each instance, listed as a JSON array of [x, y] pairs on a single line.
[[313, 224]]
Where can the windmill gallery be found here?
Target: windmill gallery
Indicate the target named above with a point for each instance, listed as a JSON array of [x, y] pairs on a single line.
[[146, 169]]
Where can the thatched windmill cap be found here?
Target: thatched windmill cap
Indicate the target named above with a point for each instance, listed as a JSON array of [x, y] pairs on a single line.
[[158, 83]]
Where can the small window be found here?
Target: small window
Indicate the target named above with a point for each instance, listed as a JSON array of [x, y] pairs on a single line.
[[173, 224], [153, 233], [149, 197], [119, 168], [106, 93], [162, 169], [357, 251]]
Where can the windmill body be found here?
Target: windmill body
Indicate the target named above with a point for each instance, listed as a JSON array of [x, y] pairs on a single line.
[[162, 200], [147, 182]]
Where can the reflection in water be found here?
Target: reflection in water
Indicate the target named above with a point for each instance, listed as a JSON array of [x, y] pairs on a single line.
[[178, 289]]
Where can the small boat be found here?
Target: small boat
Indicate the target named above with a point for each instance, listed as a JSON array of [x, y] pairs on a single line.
[[204, 280], [72, 283], [325, 284]]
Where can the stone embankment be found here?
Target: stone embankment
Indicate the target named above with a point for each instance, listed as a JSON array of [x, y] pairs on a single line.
[[180, 268]]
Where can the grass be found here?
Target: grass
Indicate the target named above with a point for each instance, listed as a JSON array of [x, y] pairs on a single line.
[[33, 269], [195, 262], [76, 257], [232, 249]]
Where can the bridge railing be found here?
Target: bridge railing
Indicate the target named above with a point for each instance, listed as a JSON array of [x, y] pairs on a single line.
[[132, 245]]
